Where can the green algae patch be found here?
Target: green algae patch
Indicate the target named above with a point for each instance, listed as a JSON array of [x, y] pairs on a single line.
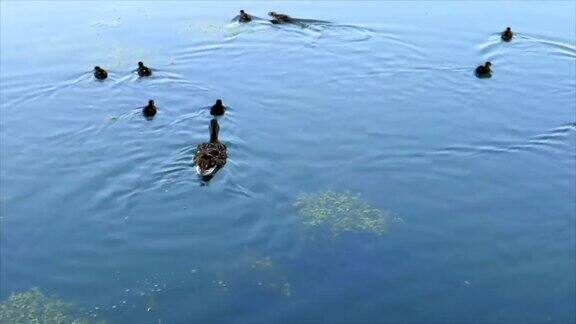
[[34, 307], [341, 212]]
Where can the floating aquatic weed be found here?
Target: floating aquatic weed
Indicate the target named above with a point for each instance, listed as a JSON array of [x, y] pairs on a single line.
[[34, 307], [341, 212]]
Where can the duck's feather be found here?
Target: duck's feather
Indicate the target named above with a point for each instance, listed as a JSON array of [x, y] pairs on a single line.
[[210, 157]]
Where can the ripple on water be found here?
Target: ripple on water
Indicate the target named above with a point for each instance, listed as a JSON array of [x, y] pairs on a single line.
[[525, 43], [554, 138]]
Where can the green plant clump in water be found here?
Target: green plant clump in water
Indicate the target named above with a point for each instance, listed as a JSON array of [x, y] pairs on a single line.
[[34, 307], [341, 212]]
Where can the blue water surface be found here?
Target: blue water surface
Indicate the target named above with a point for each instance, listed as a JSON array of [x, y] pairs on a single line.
[[103, 208]]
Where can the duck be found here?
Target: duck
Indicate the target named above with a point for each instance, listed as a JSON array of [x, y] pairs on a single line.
[[210, 156], [100, 73], [484, 71], [279, 18], [244, 17], [217, 109], [150, 109], [143, 70], [507, 34]]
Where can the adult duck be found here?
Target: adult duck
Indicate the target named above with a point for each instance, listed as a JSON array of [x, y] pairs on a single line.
[[143, 70], [100, 73], [484, 71], [507, 35], [210, 156]]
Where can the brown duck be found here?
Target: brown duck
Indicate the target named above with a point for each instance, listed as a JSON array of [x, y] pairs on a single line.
[[484, 71], [243, 17], [100, 73], [143, 70], [507, 35], [279, 18], [211, 156]]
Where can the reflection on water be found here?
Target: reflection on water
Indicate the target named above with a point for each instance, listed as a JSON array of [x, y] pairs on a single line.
[[102, 207]]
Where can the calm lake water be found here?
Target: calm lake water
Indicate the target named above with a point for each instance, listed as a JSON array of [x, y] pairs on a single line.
[[103, 208]]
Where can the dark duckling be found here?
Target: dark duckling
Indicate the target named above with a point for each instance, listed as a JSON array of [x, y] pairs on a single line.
[[150, 109], [279, 18], [507, 35], [244, 17], [217, 109], [100, 73], [143, 70], [484, 71], [211, 156]]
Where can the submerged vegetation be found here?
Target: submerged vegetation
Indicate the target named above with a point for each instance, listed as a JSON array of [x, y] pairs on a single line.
[[341, 212], [34, 307], [263, 272]]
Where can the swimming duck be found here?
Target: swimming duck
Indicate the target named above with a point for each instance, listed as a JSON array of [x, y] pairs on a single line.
[[100, 73], [279, 18], [150, 109], [211, 156], [507, 35], [484, 71], [143, 70], [217, 109], [244, 17]]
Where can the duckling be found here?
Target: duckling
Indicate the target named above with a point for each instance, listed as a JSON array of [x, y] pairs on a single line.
[[484, 71], [143, 70], [211, 156], [507, 35], [279, 18], [217, 109], [244, 17], [150, 109], [100, 73]]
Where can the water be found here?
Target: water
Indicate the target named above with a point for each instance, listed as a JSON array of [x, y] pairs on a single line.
[[102, 207]]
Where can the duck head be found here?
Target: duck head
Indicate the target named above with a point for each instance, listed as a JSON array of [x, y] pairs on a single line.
[[272, 14], [242, 12], [150, 103], [97, 68], [214, 129], [488, 64], [508, 29], [140, 64]]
